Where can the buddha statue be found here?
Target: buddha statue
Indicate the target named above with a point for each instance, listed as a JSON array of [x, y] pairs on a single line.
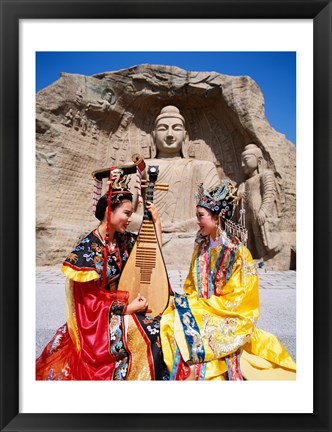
[[263, 202], [177, 207]]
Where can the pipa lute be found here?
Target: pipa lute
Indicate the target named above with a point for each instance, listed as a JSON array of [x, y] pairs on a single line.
[[145, 270]]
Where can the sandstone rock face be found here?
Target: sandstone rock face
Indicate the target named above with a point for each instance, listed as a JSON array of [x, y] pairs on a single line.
[[84, 123]]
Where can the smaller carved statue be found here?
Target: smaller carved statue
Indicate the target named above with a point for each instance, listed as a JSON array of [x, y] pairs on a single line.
[[84, 124], [94, 131], [102, 105], [79, 95], [68, 120], [263, 201], [77, 120]]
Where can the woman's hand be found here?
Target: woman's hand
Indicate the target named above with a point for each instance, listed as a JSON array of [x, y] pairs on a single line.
[[138, 305], [156, 220], [154, 212]]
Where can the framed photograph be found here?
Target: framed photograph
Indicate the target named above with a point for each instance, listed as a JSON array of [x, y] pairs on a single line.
[[304, 27]]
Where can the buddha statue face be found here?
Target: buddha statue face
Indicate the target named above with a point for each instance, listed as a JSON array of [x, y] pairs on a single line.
[[249, 163], [169, 135], [252, 160]]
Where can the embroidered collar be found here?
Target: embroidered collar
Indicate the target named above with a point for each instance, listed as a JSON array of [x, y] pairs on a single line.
[[222, 240], [206, 276]]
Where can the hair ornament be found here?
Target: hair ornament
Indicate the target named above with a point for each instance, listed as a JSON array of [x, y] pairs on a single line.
[[118, 179], [221, 199]]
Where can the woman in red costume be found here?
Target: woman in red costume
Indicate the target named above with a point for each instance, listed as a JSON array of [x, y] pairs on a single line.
[[105, 337]]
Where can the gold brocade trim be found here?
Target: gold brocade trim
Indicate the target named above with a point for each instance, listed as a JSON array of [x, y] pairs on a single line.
[[71, 315], [80, 276], [136, 344], [250, 269], [180, 337]]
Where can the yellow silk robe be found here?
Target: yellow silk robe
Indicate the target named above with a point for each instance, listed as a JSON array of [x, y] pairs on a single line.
[[210, 331]]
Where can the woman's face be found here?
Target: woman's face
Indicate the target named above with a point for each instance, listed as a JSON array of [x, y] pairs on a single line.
[[121, 216], [207, 221]]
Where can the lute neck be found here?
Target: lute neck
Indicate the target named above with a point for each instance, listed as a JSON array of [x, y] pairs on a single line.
[[149, 198], [153, 171]]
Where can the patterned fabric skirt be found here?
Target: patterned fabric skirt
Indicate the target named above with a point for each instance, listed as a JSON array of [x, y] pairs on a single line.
[[99, 342], [139, 359]]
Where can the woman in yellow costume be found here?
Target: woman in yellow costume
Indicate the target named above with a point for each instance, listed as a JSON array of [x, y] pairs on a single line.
[[209, 332]]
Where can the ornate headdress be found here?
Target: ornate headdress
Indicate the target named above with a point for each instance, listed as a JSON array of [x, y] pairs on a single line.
[[118, 180], [221, 199]]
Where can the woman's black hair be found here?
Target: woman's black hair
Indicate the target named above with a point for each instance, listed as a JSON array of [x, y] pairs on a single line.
[[116, 201]]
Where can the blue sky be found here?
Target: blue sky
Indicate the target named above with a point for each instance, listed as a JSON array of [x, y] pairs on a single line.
[[274, 72]]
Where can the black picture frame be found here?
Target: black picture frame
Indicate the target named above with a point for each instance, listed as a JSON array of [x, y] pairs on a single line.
[[11, 12]]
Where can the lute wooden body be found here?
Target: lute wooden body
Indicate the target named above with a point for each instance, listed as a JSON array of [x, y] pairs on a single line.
[[145, 270]]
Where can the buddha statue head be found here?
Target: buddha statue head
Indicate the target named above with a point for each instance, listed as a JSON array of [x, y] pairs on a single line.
[[169, 134], [252, 160]]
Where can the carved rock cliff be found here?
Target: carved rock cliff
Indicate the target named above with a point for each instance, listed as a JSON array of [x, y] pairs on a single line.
[[84, 123]]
